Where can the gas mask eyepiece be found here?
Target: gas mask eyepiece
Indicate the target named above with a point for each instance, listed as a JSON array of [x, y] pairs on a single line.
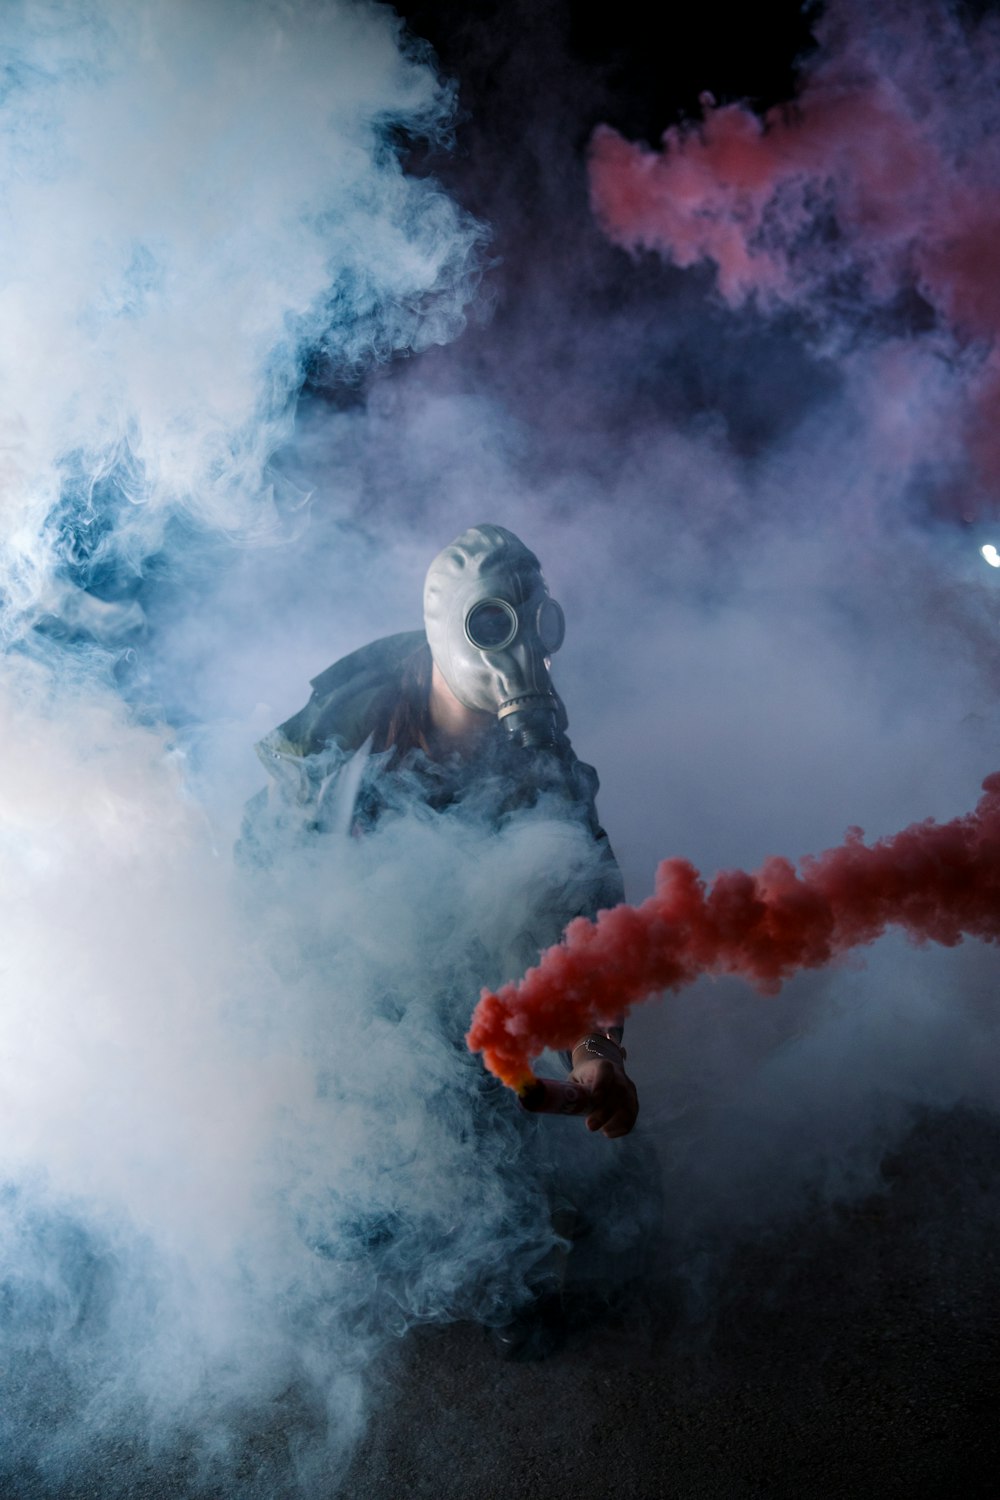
[[491, 624], [550, 622]]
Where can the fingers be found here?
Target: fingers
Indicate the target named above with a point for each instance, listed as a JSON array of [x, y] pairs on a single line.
[[616, 1106], [615, 1103], [613, 1122]]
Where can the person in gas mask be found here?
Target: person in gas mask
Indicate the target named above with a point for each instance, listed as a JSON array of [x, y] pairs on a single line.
[[464, 712]]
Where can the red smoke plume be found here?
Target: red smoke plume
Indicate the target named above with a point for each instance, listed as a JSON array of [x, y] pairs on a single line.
[[882, 177], [938, 882]]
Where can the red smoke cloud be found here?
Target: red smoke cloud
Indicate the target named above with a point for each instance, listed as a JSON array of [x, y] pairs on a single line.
[[883, 176], [938, 882]]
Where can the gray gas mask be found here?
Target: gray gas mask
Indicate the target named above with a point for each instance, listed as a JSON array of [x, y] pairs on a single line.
[[492, 626]]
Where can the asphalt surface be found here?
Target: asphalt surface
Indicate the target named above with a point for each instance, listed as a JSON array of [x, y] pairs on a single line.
[[856, 1353], [853, 1352]]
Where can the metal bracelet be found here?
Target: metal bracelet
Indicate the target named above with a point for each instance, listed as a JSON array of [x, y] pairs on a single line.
[[594, 1046]]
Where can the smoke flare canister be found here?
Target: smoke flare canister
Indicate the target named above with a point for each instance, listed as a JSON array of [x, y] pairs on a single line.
[[547, 1096]]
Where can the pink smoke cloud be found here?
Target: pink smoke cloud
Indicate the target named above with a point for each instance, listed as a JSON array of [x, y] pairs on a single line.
[[882, 176]]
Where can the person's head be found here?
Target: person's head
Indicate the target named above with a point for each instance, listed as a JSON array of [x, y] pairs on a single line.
[[492, 627]]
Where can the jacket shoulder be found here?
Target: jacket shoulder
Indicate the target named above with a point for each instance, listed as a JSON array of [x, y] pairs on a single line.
[[380, 659], [344, 696]]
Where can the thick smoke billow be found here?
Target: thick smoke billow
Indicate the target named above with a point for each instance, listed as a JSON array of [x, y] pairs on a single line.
[[871, 196], [938, 883], [196, 199], [240, 1146]]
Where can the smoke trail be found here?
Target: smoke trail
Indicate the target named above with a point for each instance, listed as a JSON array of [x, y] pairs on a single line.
[[870, 199], [196, 199], [938, 883]]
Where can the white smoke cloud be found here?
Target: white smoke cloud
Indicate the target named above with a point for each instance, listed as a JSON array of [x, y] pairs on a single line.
[[240, 1138], [194, 198]]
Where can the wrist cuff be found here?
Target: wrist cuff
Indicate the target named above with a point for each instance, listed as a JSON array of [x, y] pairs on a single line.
[[602, 1046]]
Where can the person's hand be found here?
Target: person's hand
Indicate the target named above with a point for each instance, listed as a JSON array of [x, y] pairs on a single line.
[[614, 1102]]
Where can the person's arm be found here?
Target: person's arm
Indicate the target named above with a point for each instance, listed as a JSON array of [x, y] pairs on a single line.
[[597, 1061]]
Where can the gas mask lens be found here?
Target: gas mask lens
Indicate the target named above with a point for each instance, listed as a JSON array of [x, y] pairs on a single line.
[[551, 626], [491, 625]]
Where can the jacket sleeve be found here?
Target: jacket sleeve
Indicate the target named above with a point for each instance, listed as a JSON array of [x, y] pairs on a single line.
[[307, 756], [609, 890], [297, 802]]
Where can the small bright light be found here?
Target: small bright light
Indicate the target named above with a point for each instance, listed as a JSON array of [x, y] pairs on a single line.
[[991, 555]]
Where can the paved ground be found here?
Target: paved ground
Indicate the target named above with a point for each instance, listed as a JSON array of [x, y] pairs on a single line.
[[853, 1357], [853, 1354]]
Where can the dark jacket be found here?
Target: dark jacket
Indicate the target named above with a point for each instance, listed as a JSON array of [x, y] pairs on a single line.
[[325, 778]]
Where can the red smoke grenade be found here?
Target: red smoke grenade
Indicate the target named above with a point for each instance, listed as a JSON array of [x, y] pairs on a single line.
[[553, 1096], [938, 882]]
